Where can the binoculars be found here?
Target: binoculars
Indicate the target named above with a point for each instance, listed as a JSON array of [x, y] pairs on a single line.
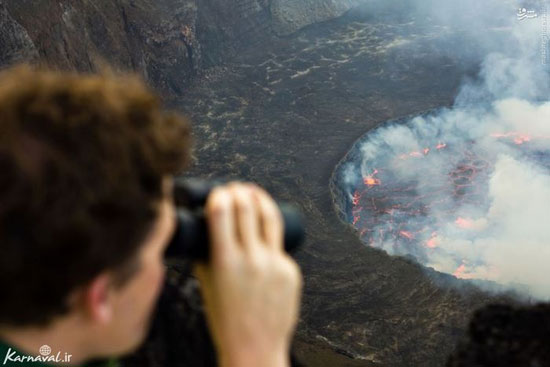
[[190, 239]]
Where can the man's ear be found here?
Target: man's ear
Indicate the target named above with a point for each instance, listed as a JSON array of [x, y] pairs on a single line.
[[98, 300]]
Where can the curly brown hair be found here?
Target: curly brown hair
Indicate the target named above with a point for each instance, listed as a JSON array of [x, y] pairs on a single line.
[[82, 159]]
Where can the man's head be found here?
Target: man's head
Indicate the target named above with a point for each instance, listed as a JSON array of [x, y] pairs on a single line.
[[85, 202]]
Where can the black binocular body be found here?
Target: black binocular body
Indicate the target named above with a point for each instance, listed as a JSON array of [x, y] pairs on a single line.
[[190, 240]]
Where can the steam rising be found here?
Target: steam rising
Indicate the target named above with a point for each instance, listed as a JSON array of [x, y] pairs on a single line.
[[499, 230]]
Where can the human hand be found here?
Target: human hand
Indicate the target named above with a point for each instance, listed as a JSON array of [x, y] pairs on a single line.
[[251, 288]]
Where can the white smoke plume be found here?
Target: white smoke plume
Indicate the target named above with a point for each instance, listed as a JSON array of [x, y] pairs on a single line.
[[502, 117]]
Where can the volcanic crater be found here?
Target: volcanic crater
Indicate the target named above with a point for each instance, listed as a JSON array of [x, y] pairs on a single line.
[[284, 115]]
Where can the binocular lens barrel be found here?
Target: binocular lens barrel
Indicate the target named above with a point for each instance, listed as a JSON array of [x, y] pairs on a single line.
[[190, 240]]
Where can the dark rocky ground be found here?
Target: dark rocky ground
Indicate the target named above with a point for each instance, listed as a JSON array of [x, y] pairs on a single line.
[[282, 112], [283, 116]]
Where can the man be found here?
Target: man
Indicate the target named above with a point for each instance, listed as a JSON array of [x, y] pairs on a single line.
[[86, 212]]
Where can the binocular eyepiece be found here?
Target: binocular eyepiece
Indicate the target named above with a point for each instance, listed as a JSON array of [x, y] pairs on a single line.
[[190, 240]]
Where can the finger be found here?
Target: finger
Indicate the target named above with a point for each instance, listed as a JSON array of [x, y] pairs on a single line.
[[248, 221], [271, 221], [220, 218]]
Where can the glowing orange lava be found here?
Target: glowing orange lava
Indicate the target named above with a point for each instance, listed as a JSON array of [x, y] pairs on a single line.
[[406, 234], [517, 137], [433, 242], [425, 151], [371, 180], [356, 198], [459, 272], [464, 223]]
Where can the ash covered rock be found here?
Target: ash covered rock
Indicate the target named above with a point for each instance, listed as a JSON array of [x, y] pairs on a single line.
[[291, 15], [167, 41], [283, 115], [178, 336], [154, 38], [282, 112], [15, 43]]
